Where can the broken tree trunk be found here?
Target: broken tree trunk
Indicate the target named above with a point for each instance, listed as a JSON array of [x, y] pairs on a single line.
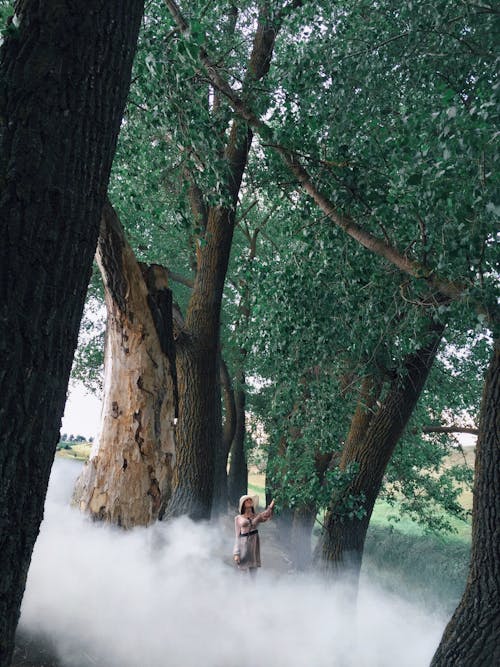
[[127, 480]]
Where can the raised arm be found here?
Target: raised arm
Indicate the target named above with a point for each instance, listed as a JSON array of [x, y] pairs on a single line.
[[265, 515]]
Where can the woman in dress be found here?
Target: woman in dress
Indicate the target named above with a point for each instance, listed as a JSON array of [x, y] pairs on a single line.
[[246, 551]]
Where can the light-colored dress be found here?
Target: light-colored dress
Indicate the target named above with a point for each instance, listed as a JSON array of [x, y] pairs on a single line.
[[247, 544]]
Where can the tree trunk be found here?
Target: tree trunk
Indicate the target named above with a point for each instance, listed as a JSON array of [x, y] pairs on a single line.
[[472, 635], [199, 429], [221, 497], [65, 71], [300, 538], [238, 470], [127, 480], [342, 542]]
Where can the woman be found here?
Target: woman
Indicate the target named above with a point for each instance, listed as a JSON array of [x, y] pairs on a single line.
[[246, 551]]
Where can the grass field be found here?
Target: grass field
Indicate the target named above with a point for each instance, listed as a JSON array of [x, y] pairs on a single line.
[[257, 484], [79, 451], [429, 569]]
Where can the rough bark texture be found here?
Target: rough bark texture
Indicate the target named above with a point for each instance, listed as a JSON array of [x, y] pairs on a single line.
[[199, 429], [127, 480], [473, 633], [65, 72], [370, 445], [238, 470], [220, 504]]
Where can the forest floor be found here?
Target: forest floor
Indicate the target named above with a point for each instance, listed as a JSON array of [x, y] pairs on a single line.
[[38, 651]]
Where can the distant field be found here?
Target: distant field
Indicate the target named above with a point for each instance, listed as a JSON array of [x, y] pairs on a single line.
[[467, 455], [79, 451]]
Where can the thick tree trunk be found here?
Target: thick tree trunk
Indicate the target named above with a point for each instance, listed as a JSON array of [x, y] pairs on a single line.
[[472, 635], [65, 71], [127, 480], [199, 429], [238, 470], [342, 542]]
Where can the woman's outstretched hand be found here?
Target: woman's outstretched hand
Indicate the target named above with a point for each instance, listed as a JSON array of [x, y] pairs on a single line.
[[268, 512]]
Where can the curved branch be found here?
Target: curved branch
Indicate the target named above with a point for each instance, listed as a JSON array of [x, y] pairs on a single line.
[[450, 429], [448, 289]]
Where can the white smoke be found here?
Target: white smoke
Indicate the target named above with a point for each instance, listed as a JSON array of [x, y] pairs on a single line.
[[167, 596]]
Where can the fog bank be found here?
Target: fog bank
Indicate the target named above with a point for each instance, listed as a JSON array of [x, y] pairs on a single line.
[[167, 596]]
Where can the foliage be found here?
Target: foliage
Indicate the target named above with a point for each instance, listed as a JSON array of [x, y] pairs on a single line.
[[391, 109], [6, 15]]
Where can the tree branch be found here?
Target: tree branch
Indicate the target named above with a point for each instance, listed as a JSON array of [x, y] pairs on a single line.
[[182, 280], [450, 429], [448, 289]]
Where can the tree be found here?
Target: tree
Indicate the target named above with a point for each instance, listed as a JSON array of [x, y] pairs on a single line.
[[469, 72], [327, 375], [464, 274], [471, 636], [373, 434], [128, 478], [65, 74], [209, 210]]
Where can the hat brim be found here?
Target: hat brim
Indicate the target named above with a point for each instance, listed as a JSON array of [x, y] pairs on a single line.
[[253, 498]]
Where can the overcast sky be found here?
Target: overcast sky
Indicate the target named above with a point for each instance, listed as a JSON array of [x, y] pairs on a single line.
[[82, 412]]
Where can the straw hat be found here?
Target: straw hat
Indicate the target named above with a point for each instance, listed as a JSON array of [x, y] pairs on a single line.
[[254, 499]]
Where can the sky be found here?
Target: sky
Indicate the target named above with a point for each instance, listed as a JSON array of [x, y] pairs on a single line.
[[82, 412], [168, 595]]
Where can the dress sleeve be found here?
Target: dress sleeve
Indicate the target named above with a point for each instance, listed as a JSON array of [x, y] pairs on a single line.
[[236, 549], [263, 516]]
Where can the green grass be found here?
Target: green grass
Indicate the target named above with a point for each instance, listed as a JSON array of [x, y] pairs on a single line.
[[255, 488], [430, 569], [78, 452], [405, 525], [400, 557]]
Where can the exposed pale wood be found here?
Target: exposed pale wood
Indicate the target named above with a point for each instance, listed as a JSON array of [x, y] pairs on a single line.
[[127, 480]]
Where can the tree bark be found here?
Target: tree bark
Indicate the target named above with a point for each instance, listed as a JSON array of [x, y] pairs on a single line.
[[472, 635], [127, 480], [199, 430], [221, 498], [65, 72], [369, 445], [238, 470]]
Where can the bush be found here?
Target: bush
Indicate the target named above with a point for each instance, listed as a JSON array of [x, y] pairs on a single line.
[[63, 445]]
